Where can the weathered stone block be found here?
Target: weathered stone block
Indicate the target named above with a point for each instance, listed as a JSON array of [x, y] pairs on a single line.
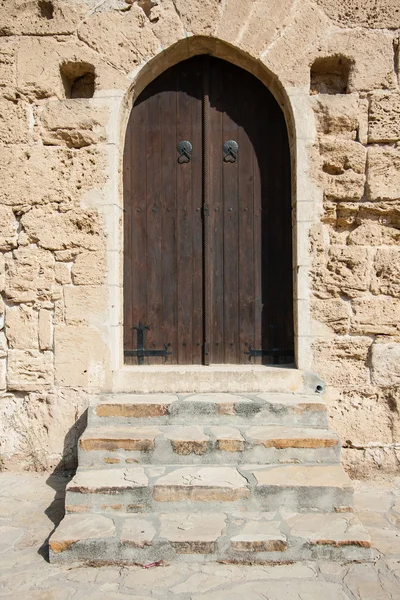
[[342, 362], [369, 233], [72, 123], [384, 118], [385, 364], [376, 315], [166, 23], [29, 370], [354, 13], [3, 345], [22, 327], [371, 54], [28, 17], [235, 14], [253, 38], [337, 115], [62, 273], [39, 60], [122, 39], [383, 173], [260, 536], [75, 528], [343, 163], [2, 277], [347, 272], [84, 304], [89, 268], [8, 70], [3, 374], [13, 122], [61, 175], [137, 532], [201, 484], [8, 228], [139, 406], [192, 533], [45, 329], [199, 17], [81, 357], [286, 55], [189, 440], [334, 314], [386, 278], [72, 229], [361, 417], [66, 255], [29, 274]]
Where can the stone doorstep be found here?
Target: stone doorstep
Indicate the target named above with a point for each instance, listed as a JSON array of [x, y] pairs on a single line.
[[199, 440], [160, 405], [214, 378], [229, 536]]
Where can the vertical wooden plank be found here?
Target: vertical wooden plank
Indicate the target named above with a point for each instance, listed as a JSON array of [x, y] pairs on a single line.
[[135, 253], [184, 220], [216, 216], [249, 302], [230, 173], [153, 214], [127, 182], [196, 205], [258, 252], [168, 291]]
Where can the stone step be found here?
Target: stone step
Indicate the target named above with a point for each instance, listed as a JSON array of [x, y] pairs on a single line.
[[291, 410], [250, 487], [174, 379], [240, 536], [217, 444]]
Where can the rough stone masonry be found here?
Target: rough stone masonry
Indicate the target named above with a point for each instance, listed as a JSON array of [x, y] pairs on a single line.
[[69, 73]]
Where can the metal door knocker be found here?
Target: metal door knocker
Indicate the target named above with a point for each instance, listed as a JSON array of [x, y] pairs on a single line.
[[185, 151], [230, 151]]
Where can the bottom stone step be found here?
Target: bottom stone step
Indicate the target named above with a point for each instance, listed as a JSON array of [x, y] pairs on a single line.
[[239, 537]]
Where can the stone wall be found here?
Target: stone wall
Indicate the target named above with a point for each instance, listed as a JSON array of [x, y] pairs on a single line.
[[69, 72]]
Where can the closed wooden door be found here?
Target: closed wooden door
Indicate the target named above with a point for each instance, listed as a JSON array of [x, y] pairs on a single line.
[[207, 221]]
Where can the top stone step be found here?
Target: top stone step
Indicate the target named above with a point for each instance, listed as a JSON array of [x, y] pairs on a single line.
[[176, 379], [303, 410]]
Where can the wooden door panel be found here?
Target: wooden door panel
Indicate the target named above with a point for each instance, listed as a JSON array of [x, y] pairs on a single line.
[[163, 229], [249, 265], [250, 211]]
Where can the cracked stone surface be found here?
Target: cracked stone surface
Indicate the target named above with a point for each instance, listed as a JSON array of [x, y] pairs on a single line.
[[322, 528], [82, 528], [202, 483], [31, 505], [98, 480]]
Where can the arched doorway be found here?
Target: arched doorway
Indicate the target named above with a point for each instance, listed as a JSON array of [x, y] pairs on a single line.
[[207, 227]]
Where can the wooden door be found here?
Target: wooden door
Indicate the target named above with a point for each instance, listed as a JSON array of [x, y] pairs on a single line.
[[207, 261]]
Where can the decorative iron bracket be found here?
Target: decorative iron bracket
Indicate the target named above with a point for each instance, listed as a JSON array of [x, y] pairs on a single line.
[[273, 352], [140, 353]]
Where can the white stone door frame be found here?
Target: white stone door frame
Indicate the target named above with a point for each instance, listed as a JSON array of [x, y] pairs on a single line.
[[306, 196]]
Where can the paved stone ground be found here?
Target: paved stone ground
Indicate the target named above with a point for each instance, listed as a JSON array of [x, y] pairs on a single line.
[[31, 505]]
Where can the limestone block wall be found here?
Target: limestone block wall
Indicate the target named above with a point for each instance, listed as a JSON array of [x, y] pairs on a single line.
[[69, 73]]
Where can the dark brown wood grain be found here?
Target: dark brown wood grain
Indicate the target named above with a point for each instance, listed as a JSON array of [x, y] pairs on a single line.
[[249, 244]]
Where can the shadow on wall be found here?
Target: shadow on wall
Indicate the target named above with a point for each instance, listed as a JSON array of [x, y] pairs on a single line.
[[60, 477]]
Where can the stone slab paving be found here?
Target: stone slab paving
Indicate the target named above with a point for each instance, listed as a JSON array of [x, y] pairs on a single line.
[[31, 505]]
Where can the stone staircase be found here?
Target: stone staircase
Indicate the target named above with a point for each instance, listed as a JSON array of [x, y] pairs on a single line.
[[237, 477]]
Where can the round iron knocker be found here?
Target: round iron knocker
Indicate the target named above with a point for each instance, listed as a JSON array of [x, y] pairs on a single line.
[[185, 151], [230, 151]]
